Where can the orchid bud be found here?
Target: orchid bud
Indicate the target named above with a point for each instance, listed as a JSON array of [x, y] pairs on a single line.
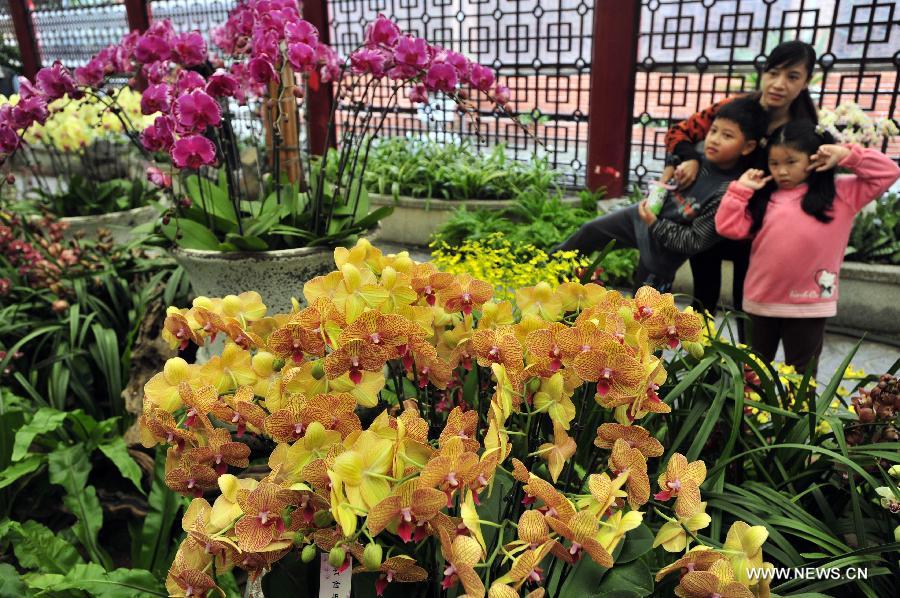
[[372, 556], [318, 370], [323, 518], [176, 370], [10, 179], [298, 93], [308, 553], [231, 305], [388, 277], [894, 472], [336, 557], [263, 363]]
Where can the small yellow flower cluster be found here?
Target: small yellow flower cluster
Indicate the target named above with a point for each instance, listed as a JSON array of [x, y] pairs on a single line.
[[385, 332], [506, 266], [75, 124], [791, 379]]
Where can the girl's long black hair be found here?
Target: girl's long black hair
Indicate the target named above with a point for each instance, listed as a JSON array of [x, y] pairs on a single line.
[[799, 135]]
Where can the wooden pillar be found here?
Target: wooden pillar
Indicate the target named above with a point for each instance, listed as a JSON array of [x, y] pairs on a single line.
[[320, 96], [611, 98], [138, 12], [20, 12]]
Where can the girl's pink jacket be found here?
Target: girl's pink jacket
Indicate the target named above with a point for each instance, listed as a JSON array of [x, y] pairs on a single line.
[[795, 259]]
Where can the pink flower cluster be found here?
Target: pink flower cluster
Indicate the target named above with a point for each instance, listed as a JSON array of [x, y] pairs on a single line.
[[388, 52], [263, 37], [51, 83], [270, 33]]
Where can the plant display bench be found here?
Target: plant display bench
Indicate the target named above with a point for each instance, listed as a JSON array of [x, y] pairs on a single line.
[[415, 219]]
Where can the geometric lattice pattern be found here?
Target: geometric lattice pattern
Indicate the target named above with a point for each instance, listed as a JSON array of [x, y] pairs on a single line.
[[540, 50]]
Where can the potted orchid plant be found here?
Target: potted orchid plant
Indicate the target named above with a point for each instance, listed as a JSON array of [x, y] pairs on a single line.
[[267, 57]]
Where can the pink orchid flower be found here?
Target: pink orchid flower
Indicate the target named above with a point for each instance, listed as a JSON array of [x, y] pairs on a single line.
[[193, 152], [197, 110]]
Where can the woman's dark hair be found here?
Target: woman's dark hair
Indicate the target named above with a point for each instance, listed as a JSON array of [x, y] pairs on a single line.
[[799, 135], [790, 54]]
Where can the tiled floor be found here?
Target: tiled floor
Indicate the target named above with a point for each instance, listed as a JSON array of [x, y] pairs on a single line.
[[872, 357]]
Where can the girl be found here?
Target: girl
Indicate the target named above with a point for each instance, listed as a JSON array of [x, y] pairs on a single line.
[[799, 217], [784, 94]]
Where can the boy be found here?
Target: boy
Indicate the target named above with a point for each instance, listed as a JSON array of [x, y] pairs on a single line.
[[686, 223]]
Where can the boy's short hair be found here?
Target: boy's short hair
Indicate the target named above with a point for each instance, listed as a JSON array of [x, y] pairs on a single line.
[[750, 117]]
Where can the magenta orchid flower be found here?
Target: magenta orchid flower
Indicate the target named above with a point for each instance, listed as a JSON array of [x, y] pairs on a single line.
[[382, 32], [156, 98], [158, 177], [91, 74], [159, 136], [418, 94], [221, 85], [441, 77], [501, 95], [189, 81], [9, 139], [261, 69], [370, 61], [196, 110], [302, 32], [152, 48], [189, 49], [56, 81], [193, 152], [481, 78], [302, 56], [411, 55]]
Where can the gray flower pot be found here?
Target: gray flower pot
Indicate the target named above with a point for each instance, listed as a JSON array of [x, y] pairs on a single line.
[[275, 275], [120, 224]]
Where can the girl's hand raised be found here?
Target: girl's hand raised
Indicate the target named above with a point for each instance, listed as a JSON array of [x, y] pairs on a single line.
[[754, 179], [827, 157]]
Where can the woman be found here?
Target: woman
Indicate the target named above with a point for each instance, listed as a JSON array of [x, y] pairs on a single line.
[[784, 93]]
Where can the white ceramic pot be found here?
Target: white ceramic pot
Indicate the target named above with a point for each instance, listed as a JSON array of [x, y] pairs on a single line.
[[275, 275], [120, 224]]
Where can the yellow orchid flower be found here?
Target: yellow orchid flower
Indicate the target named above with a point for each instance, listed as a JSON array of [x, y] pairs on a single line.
[[230, 370], [615, 527], [398, 289], [576, 296], [691, 516], [162, 389], [290, 459], [471, 520], [559, 451], [743, 546], [225, 509], [246, 307], [357, 291], [541, 300], [495, 314], [362, 470], [553, 398]]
